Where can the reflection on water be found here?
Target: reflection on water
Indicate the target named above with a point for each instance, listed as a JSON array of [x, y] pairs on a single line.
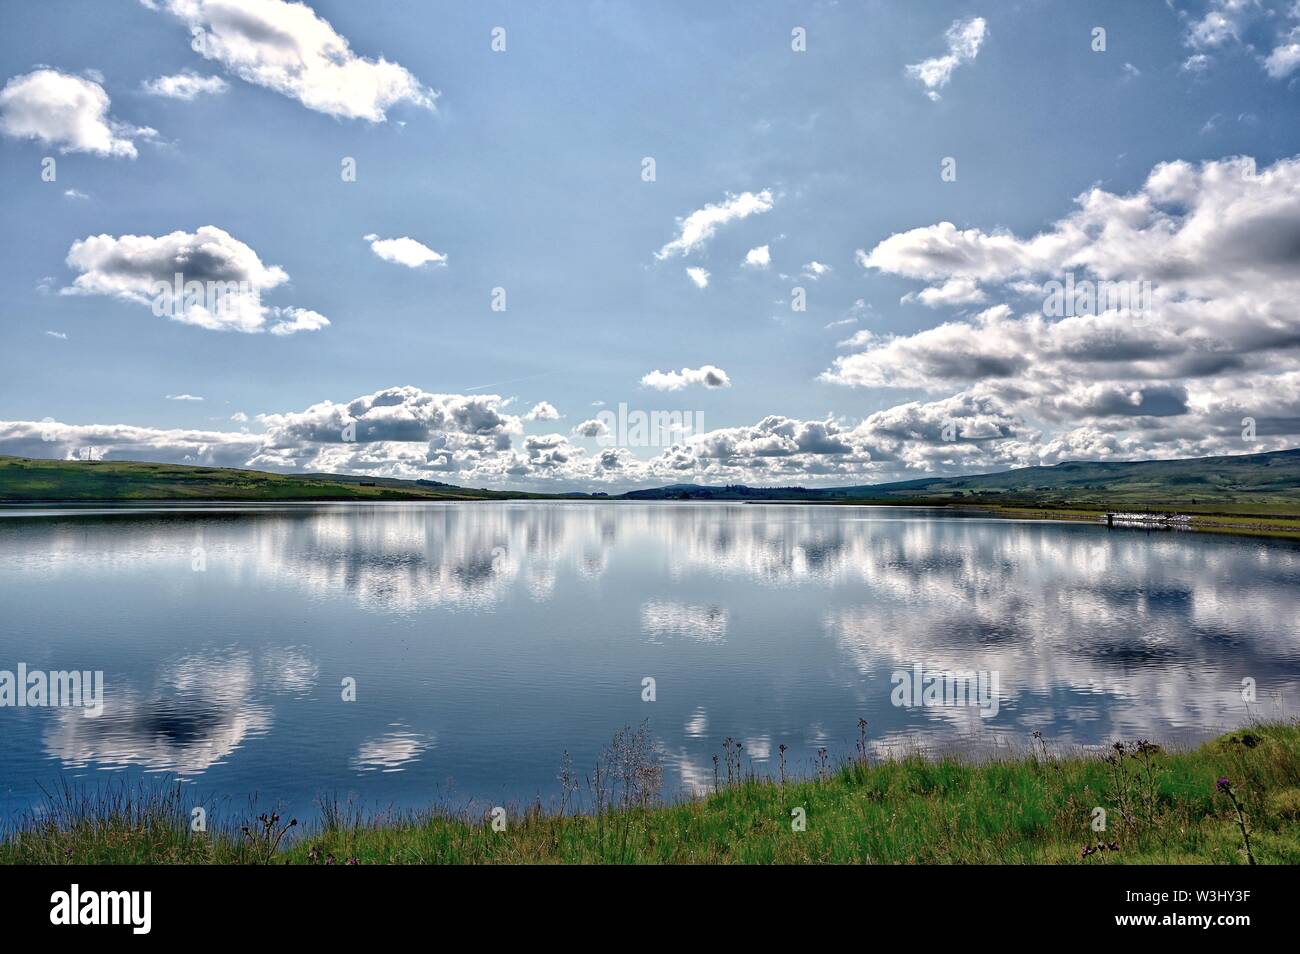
[[391, 751], [485, 639], [200, 712]]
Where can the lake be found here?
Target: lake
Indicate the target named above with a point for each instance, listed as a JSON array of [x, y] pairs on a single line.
[[484, 640]]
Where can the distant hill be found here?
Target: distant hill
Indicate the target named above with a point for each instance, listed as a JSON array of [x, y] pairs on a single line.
[[1243, 478], [728, 492], [1241, 483], [25, 480]]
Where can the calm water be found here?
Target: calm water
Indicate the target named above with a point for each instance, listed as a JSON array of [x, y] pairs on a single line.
[[486, 639]]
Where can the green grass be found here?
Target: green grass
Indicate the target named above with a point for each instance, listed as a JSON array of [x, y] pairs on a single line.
[[1240, 521], [1162, 807], [1244, 484], [26, 480]]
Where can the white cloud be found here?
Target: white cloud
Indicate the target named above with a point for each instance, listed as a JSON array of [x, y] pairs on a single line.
[[1225, 24], [1284, 59], [708, 375], [239, 417], [955, 291], [593, 427], [74, 194], [61, 335], [185, 86], [964, 38], [405, 251], [699, 226], [1218, 26], [183, 397], [1218, 245], [472, 440], [815, 270], [700, 276], [70, 112], [760, 257], [288, 48], [293, 320], [232, 279], [542, 411]]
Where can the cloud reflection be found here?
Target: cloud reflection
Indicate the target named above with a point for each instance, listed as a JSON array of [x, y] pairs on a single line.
[[200, 711]]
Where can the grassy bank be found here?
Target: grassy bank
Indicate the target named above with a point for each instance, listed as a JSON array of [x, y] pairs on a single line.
[[1244, 522], [1180, 807]]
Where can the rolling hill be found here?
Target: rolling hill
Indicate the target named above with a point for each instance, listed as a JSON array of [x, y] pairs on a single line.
[[25, 480], [1243, 484], [1247, 483]]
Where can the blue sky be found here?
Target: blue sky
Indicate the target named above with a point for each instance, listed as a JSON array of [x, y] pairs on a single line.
[[524, 168]]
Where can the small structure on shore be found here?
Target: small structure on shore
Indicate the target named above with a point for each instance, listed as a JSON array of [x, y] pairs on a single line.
[[1169, 521]]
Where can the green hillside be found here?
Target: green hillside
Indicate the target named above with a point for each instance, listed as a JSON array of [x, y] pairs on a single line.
[[1247, 483], [25, 480], [1263, 485]]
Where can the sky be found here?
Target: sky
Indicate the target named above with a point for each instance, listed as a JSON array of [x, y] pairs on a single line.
[[607, 245]]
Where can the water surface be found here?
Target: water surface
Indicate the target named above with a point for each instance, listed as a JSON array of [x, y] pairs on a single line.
[[486, 639]]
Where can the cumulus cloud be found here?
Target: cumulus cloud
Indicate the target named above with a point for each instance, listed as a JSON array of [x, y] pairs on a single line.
[[955, 291], [1217, 27], [407, 432], [591, 428], [815, 270], [760, 257], [185, 86], [1285, 57], [707, 375], [289, 48], [405, 251], [695, 229], [542, 411], [964, 38], [700, 276], [66, 111], [1227, 24], [1217, 248], [291, 320], [230, 277]]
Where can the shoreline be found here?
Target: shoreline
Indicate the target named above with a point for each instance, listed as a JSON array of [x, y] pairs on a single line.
[[1232, 799], [1276, 526], [1272, 526], [1267, 526]]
